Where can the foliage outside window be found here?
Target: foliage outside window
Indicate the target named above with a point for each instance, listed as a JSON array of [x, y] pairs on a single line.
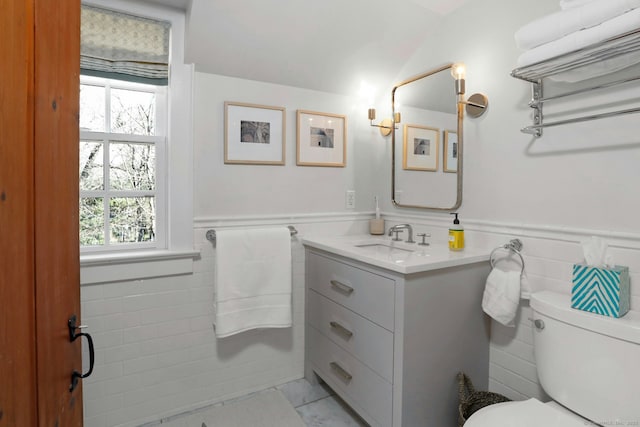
[[122, 138]]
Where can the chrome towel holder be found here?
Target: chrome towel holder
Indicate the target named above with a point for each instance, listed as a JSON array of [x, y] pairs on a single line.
[[211, 234], [515, 246]]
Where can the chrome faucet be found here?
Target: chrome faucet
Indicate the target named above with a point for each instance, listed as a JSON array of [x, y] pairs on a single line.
[[400, 227]]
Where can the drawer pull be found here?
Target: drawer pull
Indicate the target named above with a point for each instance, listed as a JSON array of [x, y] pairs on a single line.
[[340, 371], [338, 327], [342, 287]]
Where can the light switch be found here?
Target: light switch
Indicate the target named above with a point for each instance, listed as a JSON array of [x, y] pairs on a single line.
[[351, 199]]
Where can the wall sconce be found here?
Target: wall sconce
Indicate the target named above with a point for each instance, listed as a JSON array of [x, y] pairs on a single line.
[[477, 103], [386, 125]]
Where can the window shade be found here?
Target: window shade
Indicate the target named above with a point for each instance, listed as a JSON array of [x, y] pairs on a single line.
[[125, 47]]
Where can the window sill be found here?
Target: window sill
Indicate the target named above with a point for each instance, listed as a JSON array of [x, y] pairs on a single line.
[[118, 267]]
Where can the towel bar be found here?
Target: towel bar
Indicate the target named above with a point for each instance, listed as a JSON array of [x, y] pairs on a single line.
[[514, 245], [211, 234]]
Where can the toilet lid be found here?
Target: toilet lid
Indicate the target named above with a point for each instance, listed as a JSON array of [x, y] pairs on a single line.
[[527, 413]]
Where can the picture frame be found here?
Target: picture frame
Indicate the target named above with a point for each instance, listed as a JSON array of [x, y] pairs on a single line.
[[321, 139], [254, 134], [420, 148], [450, 154]]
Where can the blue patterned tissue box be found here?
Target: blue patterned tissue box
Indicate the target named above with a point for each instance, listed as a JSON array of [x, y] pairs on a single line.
[[598, 290]]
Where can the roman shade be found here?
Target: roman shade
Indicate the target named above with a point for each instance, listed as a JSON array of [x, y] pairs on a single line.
[[122, 46]]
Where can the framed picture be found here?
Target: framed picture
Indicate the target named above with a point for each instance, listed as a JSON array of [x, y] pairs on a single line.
[[321, 139], [254, 134], [450, 155], [420, 148]]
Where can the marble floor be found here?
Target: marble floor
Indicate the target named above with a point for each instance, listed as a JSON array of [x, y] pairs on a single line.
[[317, 405]]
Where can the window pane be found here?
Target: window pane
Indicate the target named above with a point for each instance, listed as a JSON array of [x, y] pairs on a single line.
[[133, 112], [133, 219], [91, 221], [92, 108], [132, 166], [91, 165]]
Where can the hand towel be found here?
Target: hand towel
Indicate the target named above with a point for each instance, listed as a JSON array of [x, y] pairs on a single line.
[[559, 24], [502, 296], [252, 280], [580, 39]]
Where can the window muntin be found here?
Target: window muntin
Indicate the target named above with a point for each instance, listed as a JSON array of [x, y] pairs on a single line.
[[121, 171]]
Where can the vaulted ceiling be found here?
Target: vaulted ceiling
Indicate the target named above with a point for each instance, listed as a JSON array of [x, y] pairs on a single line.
[[328, 45]]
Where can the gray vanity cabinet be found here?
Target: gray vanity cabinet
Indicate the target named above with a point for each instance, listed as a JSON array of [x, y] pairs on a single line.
[[390, 344]]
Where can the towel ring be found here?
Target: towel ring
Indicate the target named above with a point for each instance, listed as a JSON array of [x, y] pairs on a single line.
[[514, 246]]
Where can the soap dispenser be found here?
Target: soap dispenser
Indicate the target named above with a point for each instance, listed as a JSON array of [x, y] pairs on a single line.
[[456, 234]]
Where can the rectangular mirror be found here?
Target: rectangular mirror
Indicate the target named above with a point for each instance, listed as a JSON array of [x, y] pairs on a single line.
[[427, 143]]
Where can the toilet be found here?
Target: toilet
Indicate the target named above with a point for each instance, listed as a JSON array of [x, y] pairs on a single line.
[[587, 363]]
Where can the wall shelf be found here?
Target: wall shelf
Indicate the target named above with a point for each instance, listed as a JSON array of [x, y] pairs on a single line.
[[615, 47]]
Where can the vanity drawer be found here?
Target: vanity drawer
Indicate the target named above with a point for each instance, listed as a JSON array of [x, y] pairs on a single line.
[[366, 293], [368, 342], [351, 379]]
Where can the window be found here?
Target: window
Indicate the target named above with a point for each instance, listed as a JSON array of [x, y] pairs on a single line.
[[156, 236], [122, 164]]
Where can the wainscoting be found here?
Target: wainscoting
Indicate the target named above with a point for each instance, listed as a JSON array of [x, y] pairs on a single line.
[[157, 355]]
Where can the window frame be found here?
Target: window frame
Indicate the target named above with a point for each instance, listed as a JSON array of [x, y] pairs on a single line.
[[106, 137], [98, 267]]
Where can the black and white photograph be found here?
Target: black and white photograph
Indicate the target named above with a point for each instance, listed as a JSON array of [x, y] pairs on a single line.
[[254, 134], [420, 148], [321, 139], [450, 155]]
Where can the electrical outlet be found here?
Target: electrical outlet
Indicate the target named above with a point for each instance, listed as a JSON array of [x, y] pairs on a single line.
[[350, 199]]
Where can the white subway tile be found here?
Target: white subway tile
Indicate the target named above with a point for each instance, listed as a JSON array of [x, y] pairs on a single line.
[[497, 387], [515, 381], [141, 364], [121, 385], [104, 404]]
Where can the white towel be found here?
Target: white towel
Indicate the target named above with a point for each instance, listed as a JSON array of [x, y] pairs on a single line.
[[559, 24], [570, 4], [502, 296], [619, 25], [253, 280]]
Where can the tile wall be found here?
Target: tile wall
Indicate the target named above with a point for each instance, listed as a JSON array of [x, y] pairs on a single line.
[[157, 355]]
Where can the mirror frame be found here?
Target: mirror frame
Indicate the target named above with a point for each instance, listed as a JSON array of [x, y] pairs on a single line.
[[460, 115]]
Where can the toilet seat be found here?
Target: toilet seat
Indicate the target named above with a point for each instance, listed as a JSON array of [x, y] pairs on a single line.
[[527, 413]]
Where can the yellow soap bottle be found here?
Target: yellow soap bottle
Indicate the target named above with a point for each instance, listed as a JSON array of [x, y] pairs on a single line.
[[456, 235]]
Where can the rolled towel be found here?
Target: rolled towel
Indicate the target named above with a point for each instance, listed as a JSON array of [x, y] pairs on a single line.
[[559, 24], [502, 296]]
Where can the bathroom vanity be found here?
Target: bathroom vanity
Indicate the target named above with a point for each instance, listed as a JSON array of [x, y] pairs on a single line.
[[389, 325]]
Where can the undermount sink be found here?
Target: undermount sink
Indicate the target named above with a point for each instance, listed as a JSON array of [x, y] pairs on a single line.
[[382, 249]]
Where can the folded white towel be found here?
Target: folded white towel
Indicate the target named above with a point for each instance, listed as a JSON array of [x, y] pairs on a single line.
[[569, 4], [559, 24], [502, 296], [619, 25], [252, 280]]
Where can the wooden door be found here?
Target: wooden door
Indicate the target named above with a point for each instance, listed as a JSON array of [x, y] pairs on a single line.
[[17, 292], [39, 212]]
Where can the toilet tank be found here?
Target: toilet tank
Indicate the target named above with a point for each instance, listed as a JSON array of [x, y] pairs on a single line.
[[587, 362]]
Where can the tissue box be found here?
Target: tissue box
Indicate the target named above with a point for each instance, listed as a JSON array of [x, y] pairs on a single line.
[[599, 290]]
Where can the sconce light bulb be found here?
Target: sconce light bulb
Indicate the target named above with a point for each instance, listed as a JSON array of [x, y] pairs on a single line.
[[458, 71], [372, 113]]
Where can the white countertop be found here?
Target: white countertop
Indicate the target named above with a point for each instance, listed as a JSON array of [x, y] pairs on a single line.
[[400, 257]]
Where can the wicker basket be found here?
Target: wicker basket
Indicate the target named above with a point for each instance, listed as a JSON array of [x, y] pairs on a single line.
[[472, 400]]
